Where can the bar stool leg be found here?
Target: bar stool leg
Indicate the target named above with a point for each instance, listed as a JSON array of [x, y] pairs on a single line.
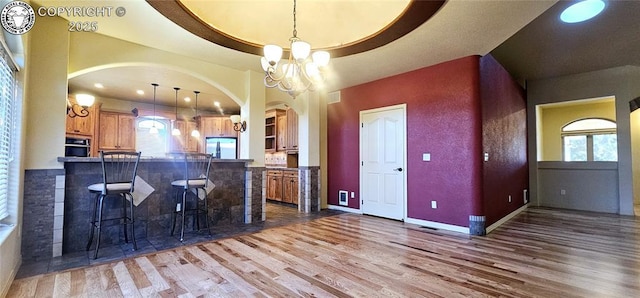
[[197, 207], [184, 199], [206, 212], [99, 225], [132, 221], [174, 214], [93, 221], [124, 216]]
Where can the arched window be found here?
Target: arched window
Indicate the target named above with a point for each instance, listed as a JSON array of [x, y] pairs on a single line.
[[149, 143], [591, 139]]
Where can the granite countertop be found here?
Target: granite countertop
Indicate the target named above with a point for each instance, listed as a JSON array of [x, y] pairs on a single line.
[[144, 159]]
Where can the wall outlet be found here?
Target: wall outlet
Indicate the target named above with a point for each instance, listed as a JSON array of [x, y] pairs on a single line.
[[426, 156], [353, 195], [563, 192], [509, 198], [434, 205], [178, 207]]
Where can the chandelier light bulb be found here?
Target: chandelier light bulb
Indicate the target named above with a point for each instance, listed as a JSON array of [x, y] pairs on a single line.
[[300, 50], [272, 53], [321, 58]]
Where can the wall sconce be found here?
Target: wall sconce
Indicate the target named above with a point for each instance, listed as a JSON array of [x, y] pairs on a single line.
[[79, 109], [237, 125]]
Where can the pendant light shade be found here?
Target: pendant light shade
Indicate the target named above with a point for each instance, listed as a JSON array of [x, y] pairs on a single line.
[[176, 131], [195, 133]]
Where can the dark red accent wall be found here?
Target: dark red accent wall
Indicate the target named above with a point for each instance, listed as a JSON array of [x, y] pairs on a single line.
[[443, 118], [504, 137]]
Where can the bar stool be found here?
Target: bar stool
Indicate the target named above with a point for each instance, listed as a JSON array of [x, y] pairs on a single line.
[[119, 170], [195, 179]]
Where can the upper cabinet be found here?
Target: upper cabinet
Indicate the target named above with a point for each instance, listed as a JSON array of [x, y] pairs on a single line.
[[217, 126], [116, 131], [292, 131], [275, 130], [82, 125], [184, 142]]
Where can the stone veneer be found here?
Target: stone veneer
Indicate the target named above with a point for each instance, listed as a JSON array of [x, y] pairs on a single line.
[[309, 189], [153, 215], [42, 214], [255, 194]]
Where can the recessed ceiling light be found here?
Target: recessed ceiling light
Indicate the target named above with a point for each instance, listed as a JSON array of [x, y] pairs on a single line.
[[140, 92], [98, 85], [582, 11], [187, 99], [216, 103]]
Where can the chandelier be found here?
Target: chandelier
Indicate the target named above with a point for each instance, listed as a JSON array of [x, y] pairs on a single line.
[[300, 72]]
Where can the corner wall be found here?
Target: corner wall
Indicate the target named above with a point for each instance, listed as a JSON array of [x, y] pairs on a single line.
[[504, 139], [443, 118]]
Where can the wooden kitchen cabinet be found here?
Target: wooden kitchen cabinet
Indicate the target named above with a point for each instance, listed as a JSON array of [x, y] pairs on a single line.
[[81, 125], [274, 185], [281, 133], [184, 142], [292, 131], [116, 131], [290, 186], [275, 130], [217, 126]]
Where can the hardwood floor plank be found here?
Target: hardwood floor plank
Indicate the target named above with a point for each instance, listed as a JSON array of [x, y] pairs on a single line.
[[539, 253]]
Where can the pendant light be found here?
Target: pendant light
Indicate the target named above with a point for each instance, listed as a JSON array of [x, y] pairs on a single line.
[[154, 129], [176, 131], [195, 133]]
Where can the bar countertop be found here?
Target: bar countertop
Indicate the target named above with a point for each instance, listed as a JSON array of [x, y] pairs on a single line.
[[145, 159]]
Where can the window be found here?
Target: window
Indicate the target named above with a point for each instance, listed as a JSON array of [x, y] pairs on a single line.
[[7, 131], [152, 144], [591, 139]]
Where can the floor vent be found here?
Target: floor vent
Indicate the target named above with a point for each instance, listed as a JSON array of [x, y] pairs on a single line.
[[343, 197]]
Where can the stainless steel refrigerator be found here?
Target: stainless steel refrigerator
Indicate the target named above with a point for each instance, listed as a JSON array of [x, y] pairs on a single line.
[[222, 148]]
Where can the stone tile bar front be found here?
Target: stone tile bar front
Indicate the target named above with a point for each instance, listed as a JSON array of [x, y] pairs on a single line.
[[226, 201]]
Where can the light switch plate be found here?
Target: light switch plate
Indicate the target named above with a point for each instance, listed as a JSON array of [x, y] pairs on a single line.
[[434, 205], [426, 156]]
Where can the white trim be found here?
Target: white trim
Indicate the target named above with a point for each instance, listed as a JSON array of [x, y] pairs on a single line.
[[506, 218], [437, 225], [402, 107], [345, 209]]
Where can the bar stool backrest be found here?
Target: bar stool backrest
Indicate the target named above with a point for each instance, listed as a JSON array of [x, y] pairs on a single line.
[[196, 169], [119, 168]]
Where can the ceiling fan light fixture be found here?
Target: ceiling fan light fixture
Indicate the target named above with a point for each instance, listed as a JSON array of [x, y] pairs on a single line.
[[582, 11]]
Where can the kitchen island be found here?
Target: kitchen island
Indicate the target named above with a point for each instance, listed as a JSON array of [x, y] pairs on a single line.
[[232, 201]]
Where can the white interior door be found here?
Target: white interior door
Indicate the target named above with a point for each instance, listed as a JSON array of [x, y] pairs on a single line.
[[382, 162]]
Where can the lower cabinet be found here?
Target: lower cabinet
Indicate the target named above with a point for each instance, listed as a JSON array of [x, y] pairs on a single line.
[[282, 186]]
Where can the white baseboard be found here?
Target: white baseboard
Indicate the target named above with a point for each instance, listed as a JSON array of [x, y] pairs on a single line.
[[437, 225], [345, 209], [506, 218]]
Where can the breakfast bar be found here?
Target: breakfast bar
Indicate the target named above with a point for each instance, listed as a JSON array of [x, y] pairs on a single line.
[[228, 202]]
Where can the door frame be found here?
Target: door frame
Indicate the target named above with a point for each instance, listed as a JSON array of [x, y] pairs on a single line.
[[402, 107]]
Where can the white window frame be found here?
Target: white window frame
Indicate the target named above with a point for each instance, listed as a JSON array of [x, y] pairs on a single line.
[[9, 115], [589, 135]]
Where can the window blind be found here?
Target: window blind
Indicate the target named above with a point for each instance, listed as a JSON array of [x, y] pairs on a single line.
[[7, 128]]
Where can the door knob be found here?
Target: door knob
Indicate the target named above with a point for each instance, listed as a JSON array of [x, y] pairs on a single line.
[[398, 169]]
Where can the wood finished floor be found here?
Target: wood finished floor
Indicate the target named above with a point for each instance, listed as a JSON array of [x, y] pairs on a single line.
[[539, 253]]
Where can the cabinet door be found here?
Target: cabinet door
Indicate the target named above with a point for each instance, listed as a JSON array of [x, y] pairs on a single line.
[[190, 142], [126, 132], [281, 133], [227, 128], [290, 187], [292, 130], [81, 125], [274, 187], [177, 142], [108, 138]]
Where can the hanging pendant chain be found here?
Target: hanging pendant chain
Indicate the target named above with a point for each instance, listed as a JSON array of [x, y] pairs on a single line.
[[295, 32]]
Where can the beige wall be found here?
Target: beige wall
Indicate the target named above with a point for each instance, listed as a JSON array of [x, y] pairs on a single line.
[[635, 155], [554, 117]]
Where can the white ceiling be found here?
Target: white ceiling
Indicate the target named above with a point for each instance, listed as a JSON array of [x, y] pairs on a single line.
[[460, 28]]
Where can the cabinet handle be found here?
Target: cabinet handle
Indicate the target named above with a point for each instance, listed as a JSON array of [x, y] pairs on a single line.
[[76, 130]]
